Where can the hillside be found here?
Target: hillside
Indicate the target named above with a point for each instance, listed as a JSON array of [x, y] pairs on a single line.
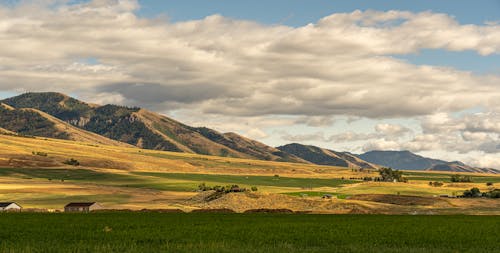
[[460, 167], [402, 160], [140, 127], [33, 122], [321, 156]]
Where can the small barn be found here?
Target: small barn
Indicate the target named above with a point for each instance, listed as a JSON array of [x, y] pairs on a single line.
[[83, 207], [9, 206]]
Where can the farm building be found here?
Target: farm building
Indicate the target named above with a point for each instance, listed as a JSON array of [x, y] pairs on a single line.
[[9, 206], [82, 207]]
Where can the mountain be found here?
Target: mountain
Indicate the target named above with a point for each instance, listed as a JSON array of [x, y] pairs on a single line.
[[402, 160], [457, 166], [135, 126], [322, 156]]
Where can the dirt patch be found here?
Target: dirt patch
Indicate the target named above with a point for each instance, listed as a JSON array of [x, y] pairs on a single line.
[[402, 200], [241, 202]]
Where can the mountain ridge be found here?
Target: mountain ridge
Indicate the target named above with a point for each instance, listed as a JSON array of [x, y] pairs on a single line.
[[140, 127]]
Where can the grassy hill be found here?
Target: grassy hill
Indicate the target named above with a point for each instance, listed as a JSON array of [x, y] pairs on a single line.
[[33, 172], [139, 127]]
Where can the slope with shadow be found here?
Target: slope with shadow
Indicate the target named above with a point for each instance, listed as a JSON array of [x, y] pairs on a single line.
[[142, 128], [457, 166], [32, 122], [402, 160], [248, 146], [322, 156]]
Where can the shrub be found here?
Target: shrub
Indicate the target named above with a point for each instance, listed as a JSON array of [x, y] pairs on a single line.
[[39, 153], [489, 184], [436, 184], [494, 194], [203, 187], [254, 188], [72, 162], [472, 193]]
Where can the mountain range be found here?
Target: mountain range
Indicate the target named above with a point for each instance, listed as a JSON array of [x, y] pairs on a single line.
[[56, 115]]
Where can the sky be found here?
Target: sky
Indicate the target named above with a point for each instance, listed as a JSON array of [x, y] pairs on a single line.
[[351, 76]]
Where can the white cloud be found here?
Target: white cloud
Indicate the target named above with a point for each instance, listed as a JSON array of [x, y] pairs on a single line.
[[338, 66]]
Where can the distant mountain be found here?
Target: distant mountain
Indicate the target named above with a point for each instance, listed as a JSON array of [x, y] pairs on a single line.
[[322, 156], [461, 167], [402, 160], [132, 125]]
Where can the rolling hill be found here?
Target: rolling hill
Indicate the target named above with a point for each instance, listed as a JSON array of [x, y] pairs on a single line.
[[132, 125], [322, 156], [457, 166]]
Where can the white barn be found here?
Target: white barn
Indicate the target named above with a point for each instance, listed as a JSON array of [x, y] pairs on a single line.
[[9, 206]]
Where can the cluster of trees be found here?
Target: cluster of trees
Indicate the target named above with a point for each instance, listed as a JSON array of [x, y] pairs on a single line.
[[476, 193], [460, 178], [390, 175], [225, 189]]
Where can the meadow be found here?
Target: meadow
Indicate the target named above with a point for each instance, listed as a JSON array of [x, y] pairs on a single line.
[[216, 232]]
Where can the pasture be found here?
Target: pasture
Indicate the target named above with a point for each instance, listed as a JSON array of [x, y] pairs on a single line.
[[215, 232]]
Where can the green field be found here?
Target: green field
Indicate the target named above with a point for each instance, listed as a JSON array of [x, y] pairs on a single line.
[[251, 180], [446, 177], [209, 232]]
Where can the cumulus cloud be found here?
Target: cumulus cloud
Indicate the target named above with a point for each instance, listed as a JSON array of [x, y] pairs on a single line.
[[341, 65]]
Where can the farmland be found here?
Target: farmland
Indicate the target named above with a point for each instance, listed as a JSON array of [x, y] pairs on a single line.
[[210, 232], [132, 178]]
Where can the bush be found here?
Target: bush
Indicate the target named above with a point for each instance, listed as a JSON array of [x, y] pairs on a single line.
[[489, 184], [72, 162], [436, 184], [472, 193], [494, 194], [39, 153], [254, 188]]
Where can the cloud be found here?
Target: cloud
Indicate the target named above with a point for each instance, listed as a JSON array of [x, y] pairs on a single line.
[[342, 65]]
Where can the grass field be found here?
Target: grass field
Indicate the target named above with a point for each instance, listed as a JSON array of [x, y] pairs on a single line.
[[209, 232]]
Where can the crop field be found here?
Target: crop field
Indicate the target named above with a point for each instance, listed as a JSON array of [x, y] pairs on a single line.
[[216, 232]]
